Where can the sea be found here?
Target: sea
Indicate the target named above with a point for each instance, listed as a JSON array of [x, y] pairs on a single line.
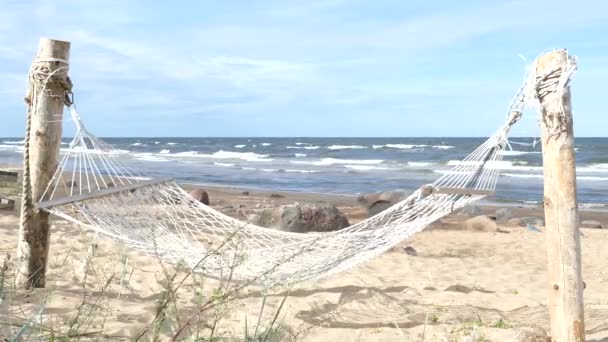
[[345, 165]]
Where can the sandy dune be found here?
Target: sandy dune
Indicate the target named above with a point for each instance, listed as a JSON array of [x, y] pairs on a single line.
[[460, 283]]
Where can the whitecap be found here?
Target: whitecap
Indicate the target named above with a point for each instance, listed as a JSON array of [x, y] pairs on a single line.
[[300, 155], [365, 167], [332, 161], [304, 147], [14, 142], [164, 151], [223, 164], [420, 164], [265, 144], [239, 146], [345, 147]]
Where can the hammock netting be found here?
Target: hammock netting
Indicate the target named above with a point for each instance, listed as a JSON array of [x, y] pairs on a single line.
[[93, 186]]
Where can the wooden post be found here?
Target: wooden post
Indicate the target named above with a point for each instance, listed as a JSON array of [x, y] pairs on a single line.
[[46, 101], [561, 205]]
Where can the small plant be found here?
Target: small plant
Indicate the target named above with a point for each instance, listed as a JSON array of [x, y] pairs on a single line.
[[433, 318], [502, 324]]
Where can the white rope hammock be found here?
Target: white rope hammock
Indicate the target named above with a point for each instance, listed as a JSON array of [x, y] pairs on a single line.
[[93, 187]]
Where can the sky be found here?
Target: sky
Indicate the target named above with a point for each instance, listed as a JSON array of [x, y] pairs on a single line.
[[304, 68]]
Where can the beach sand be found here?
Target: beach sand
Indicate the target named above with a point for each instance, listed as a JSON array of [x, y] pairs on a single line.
[[459, 283]]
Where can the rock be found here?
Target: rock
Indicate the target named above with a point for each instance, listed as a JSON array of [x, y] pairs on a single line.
[[200, 195], [535, 221], [409, 250], [515, 222], [301, 218], [378, 202], [591, 224], [471, 210], [532, 334], [246, 193], [480, 223], [504, 214], [276, 196]]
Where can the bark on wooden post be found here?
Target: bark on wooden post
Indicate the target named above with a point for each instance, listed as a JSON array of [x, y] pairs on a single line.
[[46, 98], [561, 205]]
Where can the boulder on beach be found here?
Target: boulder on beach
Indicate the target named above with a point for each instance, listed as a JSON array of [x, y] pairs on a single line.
[[471, 210], [534, 221], [591, 224], [504, 214], [532, 334], [378, 202], [515, 222], [481, 223], [200, 195], [301, 217]]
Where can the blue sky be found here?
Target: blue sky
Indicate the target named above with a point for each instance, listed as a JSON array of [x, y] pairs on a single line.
[[304, 68]]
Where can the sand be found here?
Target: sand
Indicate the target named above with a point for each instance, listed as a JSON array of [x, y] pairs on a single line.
[[459, 283]]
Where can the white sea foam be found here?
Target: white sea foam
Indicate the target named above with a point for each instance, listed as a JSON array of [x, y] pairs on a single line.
[[496, 164], [156, 142], [365, 167], [223, 164], [300, 155], [345, 147], [302, 143], [171, 143], [420, 164], [529, 175], [14, 142], [592, 205], [593, 168], [269, 170], [265, 144], [239, 146], [247, 156], [443, 147], [137, 144], [301, 171], [517, 153], [304, 147], [249, 168], [165, 151], [333, 161], [398, 146], [149, 157]]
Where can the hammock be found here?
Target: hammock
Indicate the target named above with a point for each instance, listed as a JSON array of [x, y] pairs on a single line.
[[95, 188]]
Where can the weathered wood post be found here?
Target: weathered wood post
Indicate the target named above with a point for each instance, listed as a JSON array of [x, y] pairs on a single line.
[[561, 205], [46, 97]]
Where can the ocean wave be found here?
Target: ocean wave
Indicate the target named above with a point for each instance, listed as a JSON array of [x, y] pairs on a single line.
[[593, 168], [529, 175], [138, 144], [302, 143], [239, 146], [156, 142], [164, 151], [269, 170], [266, 144], [11, 147], [592, 205], [420, 164], [247, 156], [171, 143], [365, 167], [399, 146], [223, 164], [443, 147], [149, 157], [301, 171], [517, 153], [300, 155], [345, 147], [333, 161], [497, 165], [14, 142], [304, 147]]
